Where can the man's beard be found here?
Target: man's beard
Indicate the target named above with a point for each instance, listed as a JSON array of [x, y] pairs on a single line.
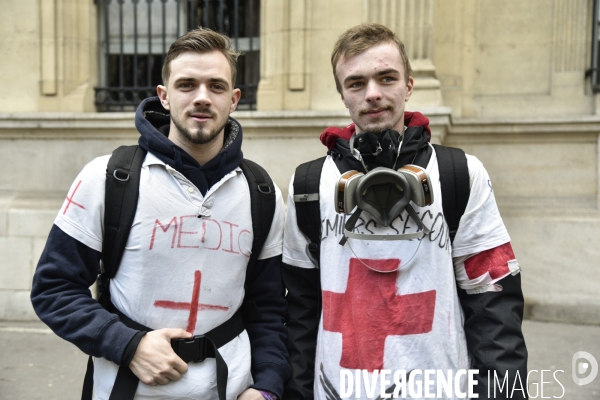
[[376, 126], [199, 138]]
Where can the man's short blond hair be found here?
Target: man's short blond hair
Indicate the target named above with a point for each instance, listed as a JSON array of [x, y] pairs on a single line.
[[362, 37], [201, 40]]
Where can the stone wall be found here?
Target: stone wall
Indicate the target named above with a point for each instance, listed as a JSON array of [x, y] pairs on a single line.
[[546, 181], [503, 80]]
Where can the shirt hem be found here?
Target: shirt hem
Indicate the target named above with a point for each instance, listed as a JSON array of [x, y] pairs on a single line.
[[71, 229]]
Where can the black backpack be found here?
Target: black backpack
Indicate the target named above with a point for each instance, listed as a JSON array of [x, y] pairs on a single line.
[[454, 181], [121, 198]]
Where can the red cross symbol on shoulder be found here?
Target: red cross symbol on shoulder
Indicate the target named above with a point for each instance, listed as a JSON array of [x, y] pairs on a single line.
[[70, 199], [493, 261], [370, 310], [194, 306]]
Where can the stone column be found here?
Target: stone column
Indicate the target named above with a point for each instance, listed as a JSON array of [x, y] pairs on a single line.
[[284, 83], [67, 58]]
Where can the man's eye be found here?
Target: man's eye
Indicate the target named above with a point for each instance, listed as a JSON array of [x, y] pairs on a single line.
[[218, 87], [355, 84], [185, 85], [388, 79]]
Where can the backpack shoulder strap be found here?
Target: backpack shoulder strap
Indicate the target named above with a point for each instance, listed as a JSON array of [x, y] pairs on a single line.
[[455, 184], [262, 206], [308, 210], [122, 188], [121, 198]]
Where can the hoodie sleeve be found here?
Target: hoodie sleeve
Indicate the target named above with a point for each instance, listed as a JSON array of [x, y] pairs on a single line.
[[62, 299], [494, 337], [69, 266], [264, 288], [270, 367], [304, 312]]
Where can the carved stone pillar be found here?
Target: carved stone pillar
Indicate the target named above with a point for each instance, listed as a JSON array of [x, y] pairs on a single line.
[[412, 21], [67, 63], [285, 81]]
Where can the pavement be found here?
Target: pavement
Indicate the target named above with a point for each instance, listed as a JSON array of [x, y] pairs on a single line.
[[36, 364]]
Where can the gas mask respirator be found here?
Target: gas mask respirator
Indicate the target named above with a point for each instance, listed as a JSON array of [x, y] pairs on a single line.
[[383, 192]]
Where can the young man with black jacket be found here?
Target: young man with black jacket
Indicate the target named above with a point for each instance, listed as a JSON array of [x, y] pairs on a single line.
[[374, 317], [183, 271]]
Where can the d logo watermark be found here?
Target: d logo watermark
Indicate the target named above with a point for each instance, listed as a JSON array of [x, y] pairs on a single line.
[[582, 363]]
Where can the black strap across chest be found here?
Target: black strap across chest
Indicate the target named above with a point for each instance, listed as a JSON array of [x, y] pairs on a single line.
[[455, 184]]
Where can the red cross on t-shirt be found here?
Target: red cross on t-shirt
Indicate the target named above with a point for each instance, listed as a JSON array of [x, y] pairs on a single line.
[[370, 310], [193, 306], [70, 199]]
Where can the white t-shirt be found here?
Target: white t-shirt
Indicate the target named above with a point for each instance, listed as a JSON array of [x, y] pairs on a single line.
[[178, 270], [409, 318]]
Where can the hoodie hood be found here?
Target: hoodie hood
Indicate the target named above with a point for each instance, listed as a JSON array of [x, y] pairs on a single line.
[[415, 144], [153, 122]]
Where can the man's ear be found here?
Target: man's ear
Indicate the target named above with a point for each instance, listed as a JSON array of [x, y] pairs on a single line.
[[409, 88], [163, 96], [236, 95]]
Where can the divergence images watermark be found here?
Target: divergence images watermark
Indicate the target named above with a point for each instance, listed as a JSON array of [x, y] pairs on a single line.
[[461, 383]]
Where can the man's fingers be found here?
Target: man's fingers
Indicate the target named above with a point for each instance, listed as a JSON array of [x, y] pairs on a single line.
[[154, 361], [164, 376], [180, 366], [162, 380], [176, 364], [176, 333], [174, 374]]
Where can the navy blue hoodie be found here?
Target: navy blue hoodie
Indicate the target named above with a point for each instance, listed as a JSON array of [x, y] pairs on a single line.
[[67, 268]]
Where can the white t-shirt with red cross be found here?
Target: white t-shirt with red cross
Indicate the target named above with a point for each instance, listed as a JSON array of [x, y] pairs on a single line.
[[178, 270], [408, 318]]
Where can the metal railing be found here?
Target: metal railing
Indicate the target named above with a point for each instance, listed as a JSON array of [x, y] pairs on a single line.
[[136, 34]]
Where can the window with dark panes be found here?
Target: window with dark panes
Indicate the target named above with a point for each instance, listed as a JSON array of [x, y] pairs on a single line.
[[134, 36]]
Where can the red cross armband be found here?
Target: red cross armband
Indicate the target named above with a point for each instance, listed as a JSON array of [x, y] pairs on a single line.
[[480, 272]]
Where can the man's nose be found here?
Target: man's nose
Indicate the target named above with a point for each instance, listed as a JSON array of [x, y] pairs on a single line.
[[202, 97], [373, 91]]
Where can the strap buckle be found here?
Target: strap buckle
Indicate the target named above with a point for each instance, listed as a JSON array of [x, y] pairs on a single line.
[[121, 175], [264, 188], [191, 350]]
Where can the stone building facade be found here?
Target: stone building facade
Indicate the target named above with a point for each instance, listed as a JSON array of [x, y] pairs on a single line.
[[506, 81]]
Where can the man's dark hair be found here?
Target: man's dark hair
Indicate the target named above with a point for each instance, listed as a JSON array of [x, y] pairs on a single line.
[[201, 40]]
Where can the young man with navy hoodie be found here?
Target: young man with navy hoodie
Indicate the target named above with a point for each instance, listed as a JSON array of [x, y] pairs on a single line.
[[380, 316], [183, 269]]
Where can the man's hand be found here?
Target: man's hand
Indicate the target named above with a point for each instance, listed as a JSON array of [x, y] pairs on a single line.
[[251, 394], [154, 361]]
